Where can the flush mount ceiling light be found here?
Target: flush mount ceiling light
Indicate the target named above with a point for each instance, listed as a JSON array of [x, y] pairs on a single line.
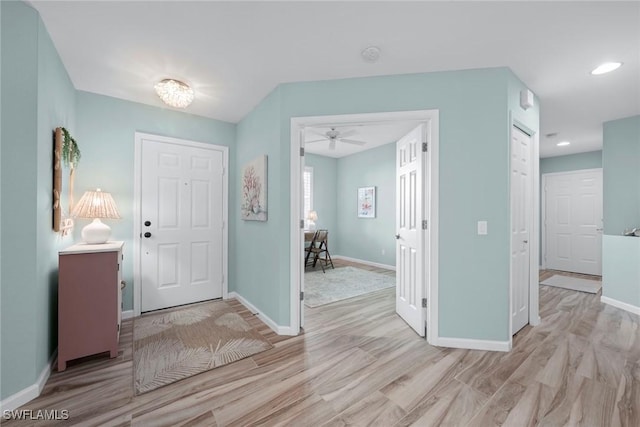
[[174, 93], [606, 68], [563, 143]]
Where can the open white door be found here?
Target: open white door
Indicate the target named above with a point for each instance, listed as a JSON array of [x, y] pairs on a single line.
[[521, 199], [182, 204], [410, 237]]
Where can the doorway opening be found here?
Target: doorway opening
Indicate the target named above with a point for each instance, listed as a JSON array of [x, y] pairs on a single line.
[[426, 257]]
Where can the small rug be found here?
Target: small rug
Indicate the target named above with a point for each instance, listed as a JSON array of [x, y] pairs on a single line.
[[176, 344], [573, 283], [342, 283]]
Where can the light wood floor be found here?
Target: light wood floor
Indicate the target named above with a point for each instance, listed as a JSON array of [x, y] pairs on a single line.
[[358, 364]]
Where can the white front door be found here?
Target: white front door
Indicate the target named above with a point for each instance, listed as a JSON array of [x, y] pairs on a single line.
[[521, 198], [573, 221], [410, 283], [181, 215]]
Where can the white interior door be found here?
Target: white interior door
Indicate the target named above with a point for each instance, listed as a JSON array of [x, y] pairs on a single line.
[[410, 237], [181, 207], [573, 221], [521, 199]]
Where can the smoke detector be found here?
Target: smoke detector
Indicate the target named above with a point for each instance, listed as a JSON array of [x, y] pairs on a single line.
[[371, 54]]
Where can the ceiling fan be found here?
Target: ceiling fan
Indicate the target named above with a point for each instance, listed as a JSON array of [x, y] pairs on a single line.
[[334, 135]]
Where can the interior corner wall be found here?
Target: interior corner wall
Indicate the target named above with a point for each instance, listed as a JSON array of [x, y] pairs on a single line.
[[621, 182], [368, 239], [105, 132], [37, 97], [325, 188], [259, 252]]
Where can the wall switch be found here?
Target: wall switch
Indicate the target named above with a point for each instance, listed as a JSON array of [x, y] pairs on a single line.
[[384, 252], [482, 228]]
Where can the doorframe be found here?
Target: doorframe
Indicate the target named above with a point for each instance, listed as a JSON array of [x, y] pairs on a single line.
[[543, 213], [534, 221], [431, 198], [137, 194]]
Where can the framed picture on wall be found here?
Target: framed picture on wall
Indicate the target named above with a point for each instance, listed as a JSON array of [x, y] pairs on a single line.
[[367, 202], [253, 197]]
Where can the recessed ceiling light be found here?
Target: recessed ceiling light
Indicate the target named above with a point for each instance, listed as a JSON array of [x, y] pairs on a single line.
[[563, 143], [174, 93], [606, 68]]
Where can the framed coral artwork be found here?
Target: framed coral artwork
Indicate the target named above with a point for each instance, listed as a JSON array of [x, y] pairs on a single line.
[[367, 202], [253, 205]]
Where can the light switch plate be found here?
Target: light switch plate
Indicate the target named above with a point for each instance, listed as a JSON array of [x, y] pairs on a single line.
[[482, 228]]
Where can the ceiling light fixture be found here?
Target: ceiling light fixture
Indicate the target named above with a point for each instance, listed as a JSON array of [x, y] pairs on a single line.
[[563, 143], [606, 68], [174, 93]]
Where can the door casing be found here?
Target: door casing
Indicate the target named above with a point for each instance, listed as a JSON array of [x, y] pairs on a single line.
[[137, 220], [298, 124]]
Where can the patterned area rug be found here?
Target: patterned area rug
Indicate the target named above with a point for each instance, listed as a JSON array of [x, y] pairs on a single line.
[[342, 283], [171, 345]]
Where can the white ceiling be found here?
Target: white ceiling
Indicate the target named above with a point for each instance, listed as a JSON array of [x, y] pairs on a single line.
[[373, 135], [235, 53]]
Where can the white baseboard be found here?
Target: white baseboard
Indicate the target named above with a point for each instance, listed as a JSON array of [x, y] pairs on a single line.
[[29, 393], [621, 305], [365, 262], [280, 330], [471, 344], [128, 314]]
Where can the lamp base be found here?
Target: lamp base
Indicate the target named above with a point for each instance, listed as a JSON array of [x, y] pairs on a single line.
[[311, 225], [96, 232]]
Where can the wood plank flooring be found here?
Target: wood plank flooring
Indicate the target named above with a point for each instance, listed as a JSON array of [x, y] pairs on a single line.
[[358, 364]]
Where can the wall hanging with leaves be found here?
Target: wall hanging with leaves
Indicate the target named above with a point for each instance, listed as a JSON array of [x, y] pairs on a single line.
[[67, 152]]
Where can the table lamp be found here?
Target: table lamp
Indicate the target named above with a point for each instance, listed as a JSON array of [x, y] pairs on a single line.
[[311, 220], [95, 205]]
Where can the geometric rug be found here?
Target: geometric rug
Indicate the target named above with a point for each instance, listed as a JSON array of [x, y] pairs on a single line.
[[573, 283], [175, 344], [342, 283]]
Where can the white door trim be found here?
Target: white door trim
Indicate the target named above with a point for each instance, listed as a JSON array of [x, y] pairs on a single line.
[[296, 237], [137, 228], [534, 251], [543, 261]]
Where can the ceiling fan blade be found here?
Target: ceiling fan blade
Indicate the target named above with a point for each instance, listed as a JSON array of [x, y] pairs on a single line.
[[315, 140], [348, 133], [332, 144], [352, 141]]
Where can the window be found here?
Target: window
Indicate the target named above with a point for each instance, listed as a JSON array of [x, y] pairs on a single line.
[[307, 183]]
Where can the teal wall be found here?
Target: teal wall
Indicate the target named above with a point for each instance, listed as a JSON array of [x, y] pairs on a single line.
[[571, 162], [475, 106], [621, 179], [367, 238], [37, 96], [621, 174], [106, 136], [325, 187], [258, 259]]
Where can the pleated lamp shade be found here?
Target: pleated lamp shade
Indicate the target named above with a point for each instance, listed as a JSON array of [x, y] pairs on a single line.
[[96, 205]]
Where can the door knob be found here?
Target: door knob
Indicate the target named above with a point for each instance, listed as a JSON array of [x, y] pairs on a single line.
[[397, 237], [147, 234], [147, 223]]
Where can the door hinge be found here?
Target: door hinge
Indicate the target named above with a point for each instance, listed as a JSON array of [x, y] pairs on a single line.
[[424, 303], [301, 151], [301, 296], [118, 328], [223, 224], [223, 171], [425, 147], [425, 224], [302, 224], [222, 279]]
